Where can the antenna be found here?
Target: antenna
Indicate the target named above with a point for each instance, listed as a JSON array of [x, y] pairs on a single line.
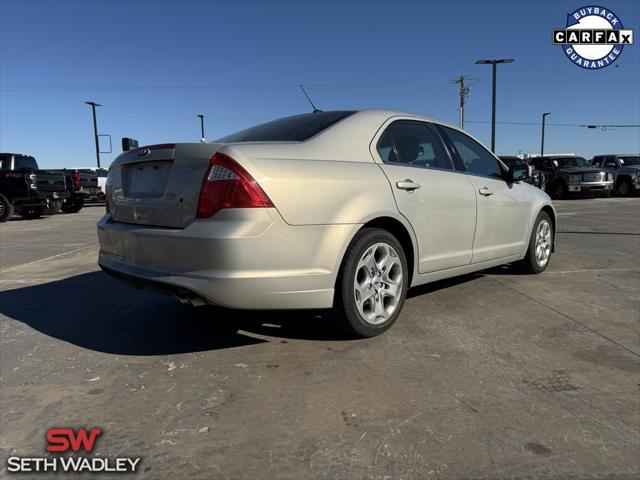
[[315, 110]]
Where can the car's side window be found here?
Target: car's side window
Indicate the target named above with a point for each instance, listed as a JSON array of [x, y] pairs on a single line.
[[476, 159], [611, 162], [408, 142]]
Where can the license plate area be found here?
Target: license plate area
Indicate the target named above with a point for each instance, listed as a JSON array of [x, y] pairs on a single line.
[[146, 179]]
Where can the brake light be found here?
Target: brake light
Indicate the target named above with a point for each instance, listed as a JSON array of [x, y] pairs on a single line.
[[228, 185], [75, 178]]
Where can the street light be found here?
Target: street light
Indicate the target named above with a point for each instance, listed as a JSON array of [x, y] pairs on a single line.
[[201, 128], [544, 117], [493, 108], [95, 129]]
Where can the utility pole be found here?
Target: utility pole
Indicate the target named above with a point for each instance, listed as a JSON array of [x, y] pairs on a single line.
[[494, 64], [202, 140], [544, 118], [464, 93], [95, 129]]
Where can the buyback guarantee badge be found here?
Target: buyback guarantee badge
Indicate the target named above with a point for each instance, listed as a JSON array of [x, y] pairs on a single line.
[[593, 38]]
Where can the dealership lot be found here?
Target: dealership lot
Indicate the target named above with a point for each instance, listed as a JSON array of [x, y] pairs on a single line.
[[487, 375]]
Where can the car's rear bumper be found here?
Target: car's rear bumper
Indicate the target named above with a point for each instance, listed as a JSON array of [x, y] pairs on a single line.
[[240, 258]]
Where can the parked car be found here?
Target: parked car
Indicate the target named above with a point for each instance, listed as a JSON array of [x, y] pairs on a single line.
[[572, 174], [342, 209], [536, 178], [101, 173], [625, 170], [27, 190], [82, 186]]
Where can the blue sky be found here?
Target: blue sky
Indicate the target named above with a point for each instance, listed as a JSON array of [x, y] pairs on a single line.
[[156, 65]]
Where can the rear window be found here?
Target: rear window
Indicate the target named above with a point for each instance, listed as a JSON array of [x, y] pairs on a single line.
[[24, 162], [297, 128]]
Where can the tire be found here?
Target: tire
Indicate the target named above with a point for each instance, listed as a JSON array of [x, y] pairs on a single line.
[[558, 190], [371, 248], [624, 187], [73, 206], [31, 213], [533, 263], [6, 208]]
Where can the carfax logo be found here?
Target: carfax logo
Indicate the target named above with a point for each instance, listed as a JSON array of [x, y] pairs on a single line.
[[593, 38]]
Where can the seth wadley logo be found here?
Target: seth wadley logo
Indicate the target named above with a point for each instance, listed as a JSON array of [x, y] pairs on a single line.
[[593, 38], [63, 440]]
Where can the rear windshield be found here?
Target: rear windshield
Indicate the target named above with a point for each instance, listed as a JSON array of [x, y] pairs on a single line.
[[297, 128], [23, 162], [5, 161]]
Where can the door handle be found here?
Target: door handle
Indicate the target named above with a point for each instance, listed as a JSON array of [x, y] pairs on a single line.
[[408, 184], [485, 191]]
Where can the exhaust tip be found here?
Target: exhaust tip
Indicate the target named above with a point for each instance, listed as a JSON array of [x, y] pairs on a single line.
[[192, 300]]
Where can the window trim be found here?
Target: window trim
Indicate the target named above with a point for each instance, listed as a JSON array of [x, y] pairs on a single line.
[[463, 169], [431, 127]]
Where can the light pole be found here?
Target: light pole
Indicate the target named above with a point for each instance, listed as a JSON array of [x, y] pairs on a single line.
[[95, 129], [493, 63], [544, 118], [201, 127]]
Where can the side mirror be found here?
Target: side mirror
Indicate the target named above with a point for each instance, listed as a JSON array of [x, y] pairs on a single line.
[[519, 172], [129, 144]]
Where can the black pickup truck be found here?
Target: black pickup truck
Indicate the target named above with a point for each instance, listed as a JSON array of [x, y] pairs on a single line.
[[27, 190], [82, 185]]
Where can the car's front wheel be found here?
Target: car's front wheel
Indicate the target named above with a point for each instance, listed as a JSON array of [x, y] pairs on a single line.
[[624, 187], [372, 284], [540, 246], [31, 213]]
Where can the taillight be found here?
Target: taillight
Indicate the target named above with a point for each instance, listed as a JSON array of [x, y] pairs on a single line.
[[228, 185], [75, 178]]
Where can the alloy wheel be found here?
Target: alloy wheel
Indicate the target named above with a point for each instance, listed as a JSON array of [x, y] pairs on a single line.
[[378, 283], [543, 243]]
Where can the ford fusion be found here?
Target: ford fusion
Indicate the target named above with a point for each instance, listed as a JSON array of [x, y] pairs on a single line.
[[341, 210]]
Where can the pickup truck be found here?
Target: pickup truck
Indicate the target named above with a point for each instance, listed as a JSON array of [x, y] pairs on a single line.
[[27, 190], [567, 174], [82, 185], [537, 178], [625, 170]]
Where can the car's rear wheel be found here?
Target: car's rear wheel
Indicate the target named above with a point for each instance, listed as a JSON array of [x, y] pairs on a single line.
[[72, 206], [6, 208], [372, 284], [31, 213], [540, 246]]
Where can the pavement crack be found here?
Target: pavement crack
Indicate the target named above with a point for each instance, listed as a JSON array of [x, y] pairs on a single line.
[[587, 327]]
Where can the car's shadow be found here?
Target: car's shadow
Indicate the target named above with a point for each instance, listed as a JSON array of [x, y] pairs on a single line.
[[96, 312]]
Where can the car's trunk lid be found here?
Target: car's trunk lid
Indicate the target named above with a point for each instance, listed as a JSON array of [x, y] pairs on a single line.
[[158, 185]]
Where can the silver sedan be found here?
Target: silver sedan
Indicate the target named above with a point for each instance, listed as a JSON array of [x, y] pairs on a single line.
[[340, 209]]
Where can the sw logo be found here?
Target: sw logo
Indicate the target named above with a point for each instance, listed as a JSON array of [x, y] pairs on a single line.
[[68, 440], [63, 439], [593, 38]]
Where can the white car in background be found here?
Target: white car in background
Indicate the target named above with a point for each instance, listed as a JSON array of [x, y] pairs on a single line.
[[342, 209], [102, 178]]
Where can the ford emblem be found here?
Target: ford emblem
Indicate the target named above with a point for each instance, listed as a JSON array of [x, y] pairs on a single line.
[[144, 152]]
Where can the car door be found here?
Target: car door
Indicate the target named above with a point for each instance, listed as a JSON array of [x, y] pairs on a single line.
[[503, 209], [439, 203]]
